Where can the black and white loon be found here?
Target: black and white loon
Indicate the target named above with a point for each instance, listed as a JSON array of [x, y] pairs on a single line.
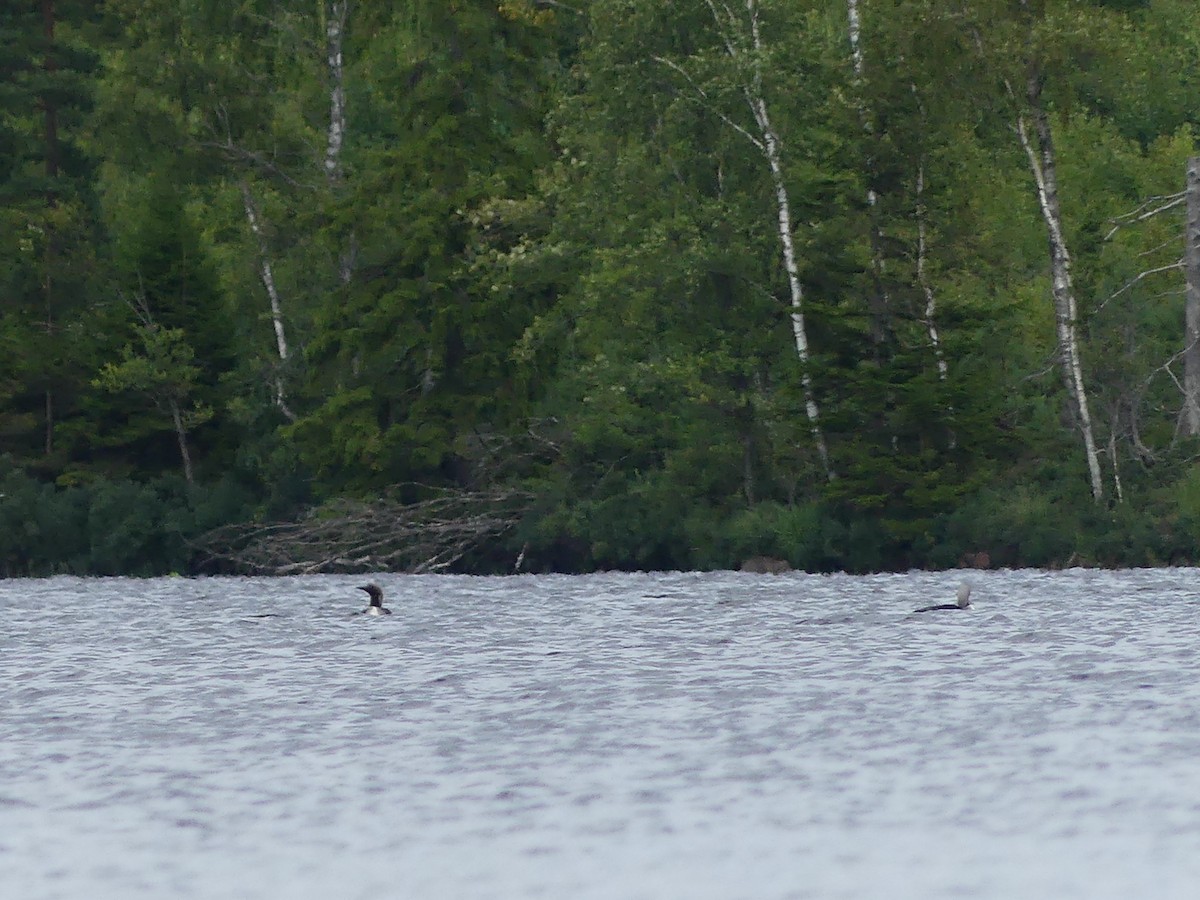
[[964, 601], [376, 608]]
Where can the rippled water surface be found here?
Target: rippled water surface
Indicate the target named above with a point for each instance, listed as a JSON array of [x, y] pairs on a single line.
[[611, 736]]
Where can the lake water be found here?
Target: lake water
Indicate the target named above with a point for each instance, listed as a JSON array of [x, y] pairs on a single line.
[[612, 736]]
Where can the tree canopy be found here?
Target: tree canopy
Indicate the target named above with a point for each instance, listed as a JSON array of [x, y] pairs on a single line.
[[859, 284]]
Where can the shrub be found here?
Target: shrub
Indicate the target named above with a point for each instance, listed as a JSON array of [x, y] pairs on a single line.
[[107, 527]]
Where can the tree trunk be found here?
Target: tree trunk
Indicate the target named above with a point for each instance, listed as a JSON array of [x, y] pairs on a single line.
[[787, 241], [335, 29], [1042, 165], [49, 109], [49, 436], [267, 274], [335, 24], [771, 148], [880, 317], [1191, 267], [181, 437], [52, 153], [923, 280], [1118, 490], [922, 213], [731, 30]]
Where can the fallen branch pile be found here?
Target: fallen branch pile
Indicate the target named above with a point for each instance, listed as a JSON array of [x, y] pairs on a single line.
[[368, 536]]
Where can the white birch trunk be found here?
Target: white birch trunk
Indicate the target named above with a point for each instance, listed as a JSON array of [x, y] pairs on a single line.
[[1042, 165], [335, 29], [922, 255], [267, 275], [923, 280], [769, 144], [931, 328], [730, 28], [1118, 490], [879, 303], [181, 438], [1191, 268], [860, 77], [265, 271], [335, 24], [855, 37], [791, 267]]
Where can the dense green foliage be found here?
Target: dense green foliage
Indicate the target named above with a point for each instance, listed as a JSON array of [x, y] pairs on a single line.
[[538, 245]]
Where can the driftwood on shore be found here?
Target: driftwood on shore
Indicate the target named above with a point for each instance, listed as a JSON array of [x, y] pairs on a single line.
[[385, 534]]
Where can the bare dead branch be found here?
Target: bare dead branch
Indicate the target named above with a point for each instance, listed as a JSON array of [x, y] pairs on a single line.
[[357, 536], [558, 5], [1132, 218], [1141, 276], [712, 108]]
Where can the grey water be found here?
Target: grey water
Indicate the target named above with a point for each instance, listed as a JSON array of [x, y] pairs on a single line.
[[612, 736]]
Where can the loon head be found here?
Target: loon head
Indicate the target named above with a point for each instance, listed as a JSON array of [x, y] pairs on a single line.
[[964, 595], [375, 592]]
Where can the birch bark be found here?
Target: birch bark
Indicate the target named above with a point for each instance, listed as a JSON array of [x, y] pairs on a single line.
[[335, 25], [267, 275], [181, 438], [769, 144], [880, 326], [335, 30], [923, 280], [1191, 267], [1042, 165]]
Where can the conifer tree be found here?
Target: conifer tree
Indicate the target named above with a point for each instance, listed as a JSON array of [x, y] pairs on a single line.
[[48, 268]]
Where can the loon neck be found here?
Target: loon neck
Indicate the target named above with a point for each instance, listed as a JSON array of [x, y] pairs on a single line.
[[375, 592], [964, 595]]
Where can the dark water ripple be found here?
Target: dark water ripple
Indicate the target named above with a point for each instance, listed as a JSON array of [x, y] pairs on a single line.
[[621, 735]]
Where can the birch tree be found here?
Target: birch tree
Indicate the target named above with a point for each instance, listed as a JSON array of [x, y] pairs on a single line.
[[1166, 258], [336, 14], [248, 142], [267, 275], [412, 339], [878, 303], [1039, 150], [253, 168], [923, 279], [741, 36], [1034, 130], [1050, 39], [1191, 339]]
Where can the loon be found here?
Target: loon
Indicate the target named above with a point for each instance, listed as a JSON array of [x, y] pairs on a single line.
[[964, 601], [376, 608]]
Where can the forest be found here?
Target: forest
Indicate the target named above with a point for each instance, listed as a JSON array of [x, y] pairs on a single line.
[[492, 286]]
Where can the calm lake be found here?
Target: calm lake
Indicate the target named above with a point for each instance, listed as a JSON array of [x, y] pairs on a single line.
[[612, 736]]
